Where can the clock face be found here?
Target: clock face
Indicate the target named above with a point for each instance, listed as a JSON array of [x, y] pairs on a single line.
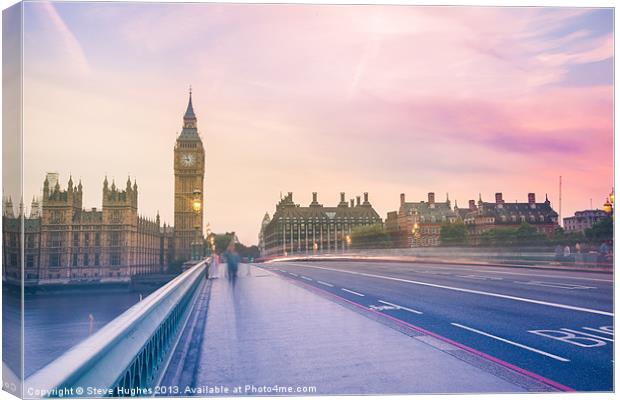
[[187, 159]]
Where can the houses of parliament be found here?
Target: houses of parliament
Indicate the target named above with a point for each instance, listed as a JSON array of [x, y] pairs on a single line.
[[66, 243]]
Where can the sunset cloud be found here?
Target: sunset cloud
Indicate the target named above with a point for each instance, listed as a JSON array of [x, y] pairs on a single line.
[[384, 99]]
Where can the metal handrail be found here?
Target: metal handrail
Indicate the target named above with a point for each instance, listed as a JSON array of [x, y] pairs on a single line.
[[129, 351]]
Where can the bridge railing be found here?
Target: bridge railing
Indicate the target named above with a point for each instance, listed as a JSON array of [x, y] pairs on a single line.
[[128, 355]]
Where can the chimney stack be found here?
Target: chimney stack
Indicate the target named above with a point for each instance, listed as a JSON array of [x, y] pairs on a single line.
[[352, 203], [358, 200], [472, 205], [498, 198], [431, 197], [365, 197], [314, 197], [342, 200], [402, 199], [531, 198], [290, 195]]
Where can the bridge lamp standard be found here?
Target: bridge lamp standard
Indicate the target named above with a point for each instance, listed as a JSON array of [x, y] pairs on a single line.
[[415, 230], [608, 207], [197, 207], [208, 241]]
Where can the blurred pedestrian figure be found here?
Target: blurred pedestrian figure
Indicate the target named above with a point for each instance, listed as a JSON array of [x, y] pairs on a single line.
[[232, 260], [213, 268], [604, 249], [578, 247], [91, 323], [566, 252], [558, 252]]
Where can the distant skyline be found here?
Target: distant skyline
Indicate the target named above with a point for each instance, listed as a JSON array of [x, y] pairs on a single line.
[[302, 99]]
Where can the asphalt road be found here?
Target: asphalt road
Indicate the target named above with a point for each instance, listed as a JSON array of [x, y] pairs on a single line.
[[556, 324]]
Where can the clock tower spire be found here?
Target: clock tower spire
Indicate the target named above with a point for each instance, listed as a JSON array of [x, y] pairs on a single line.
[[189, 170], [189, 119]]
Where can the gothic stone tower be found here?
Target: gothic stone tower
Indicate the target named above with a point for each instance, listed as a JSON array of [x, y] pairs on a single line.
[[189, 172]]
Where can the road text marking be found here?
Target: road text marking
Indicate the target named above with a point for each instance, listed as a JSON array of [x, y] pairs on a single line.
[[401, 307], [577, 338], [544, 353]]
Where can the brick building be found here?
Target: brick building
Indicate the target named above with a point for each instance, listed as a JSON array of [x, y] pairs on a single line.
[[418, 224], [583, 220], [483, 216]]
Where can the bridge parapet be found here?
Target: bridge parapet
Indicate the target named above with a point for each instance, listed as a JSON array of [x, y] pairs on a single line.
[[128, 355]]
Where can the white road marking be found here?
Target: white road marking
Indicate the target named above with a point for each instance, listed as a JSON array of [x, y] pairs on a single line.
[[381, 308], [480, 292], [306, 278], [293, 274], [401, 307], [481, 277], [325, 283], [544, 353], [544, 276], [352, 292], [557, 285]]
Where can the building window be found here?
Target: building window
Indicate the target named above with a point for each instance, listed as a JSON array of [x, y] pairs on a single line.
[[55, 239], [13, 259], [86, 259], [115, 259], [97, 239], [30, 260], [86, 239], [115, 239], [75, 259], [55, 260], [76, 239], [30, 242], [97, 259]]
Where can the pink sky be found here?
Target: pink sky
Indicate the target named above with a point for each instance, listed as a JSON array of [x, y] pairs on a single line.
[[321, 98]]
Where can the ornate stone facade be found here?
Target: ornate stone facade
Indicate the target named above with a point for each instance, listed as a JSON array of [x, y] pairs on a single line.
[[65, 243], [306, 230], [189, 172]]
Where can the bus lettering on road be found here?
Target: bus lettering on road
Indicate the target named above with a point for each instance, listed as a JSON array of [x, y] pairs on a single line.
[[586, 337]]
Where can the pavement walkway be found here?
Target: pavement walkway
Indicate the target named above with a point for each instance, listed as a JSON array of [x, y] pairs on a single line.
[[266, 331]]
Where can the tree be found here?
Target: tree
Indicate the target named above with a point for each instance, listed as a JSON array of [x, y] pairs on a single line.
[[453, 234], [501, 236], [527, 234], [602, 230], [247, 251], [370, 237]]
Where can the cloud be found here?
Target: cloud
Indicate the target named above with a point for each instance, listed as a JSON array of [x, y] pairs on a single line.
[[379, 98], [72, 46]]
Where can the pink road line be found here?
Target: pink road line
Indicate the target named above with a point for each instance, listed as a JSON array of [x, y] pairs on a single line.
[[489, 357]]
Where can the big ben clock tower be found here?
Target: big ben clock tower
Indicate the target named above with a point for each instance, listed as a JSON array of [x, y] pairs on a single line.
[[189, 172]]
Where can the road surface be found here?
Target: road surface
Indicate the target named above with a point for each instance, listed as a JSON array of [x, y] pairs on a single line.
[[556, 324]]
